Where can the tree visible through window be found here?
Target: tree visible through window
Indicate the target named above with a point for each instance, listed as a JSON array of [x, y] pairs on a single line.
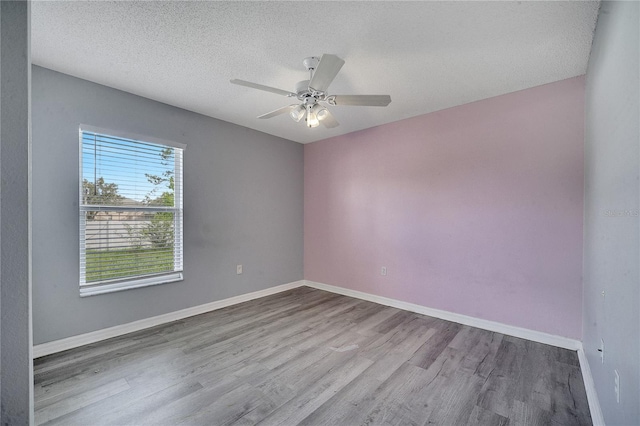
[[130, 213]]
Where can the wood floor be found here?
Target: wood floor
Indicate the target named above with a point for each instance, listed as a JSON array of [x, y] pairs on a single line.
[[314, 358]]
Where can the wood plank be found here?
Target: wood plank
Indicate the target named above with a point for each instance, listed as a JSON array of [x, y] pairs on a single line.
[[120, 408], [312, 397], [431, 350], [497, 394], [569, 400], [397, 400], [480, 416], [455, 402], [530, 415], [61, 407], [354, 401]]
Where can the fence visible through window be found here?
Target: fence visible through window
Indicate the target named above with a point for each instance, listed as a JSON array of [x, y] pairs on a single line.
[[130, 212]]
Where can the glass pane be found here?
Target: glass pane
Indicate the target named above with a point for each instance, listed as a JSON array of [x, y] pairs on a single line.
[[128, 244], [117, 171]]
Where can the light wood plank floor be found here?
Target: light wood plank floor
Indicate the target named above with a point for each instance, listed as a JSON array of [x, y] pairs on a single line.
[[314, 358]]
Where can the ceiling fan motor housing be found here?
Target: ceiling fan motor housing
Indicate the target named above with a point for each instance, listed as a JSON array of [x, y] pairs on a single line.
[[302, 87], [311, 62], [305, 94]]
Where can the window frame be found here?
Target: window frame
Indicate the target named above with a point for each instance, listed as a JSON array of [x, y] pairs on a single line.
[[127, 283]]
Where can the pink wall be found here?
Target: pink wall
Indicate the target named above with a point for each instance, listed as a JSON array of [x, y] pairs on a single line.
[[475, 210]]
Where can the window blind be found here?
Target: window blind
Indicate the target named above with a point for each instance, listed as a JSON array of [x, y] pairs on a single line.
[[131, 218]]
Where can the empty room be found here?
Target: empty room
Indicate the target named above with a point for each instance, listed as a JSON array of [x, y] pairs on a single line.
[[320, 213]]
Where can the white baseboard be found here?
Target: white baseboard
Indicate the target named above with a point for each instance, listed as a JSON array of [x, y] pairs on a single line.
[[95, 336], [590, 387], [107, 333], [536, 336], [524, 333]]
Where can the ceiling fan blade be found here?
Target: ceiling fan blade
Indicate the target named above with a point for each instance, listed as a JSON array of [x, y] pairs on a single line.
[[278, 111], [360, 100], [262, 87], [329, 121], [325, 72]]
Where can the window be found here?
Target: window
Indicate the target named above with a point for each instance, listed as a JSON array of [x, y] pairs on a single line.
[[130, 212]]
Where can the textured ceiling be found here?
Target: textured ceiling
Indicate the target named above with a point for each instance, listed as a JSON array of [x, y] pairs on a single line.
[[427, 55]]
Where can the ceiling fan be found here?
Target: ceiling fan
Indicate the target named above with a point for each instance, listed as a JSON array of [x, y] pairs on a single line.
[[313, 95]]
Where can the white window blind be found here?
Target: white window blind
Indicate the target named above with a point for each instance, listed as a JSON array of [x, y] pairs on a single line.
[[130, 212]]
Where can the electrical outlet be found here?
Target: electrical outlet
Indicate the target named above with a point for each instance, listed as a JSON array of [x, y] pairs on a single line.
[[238, 269], [383, 271], [601, 350], [616, 387]]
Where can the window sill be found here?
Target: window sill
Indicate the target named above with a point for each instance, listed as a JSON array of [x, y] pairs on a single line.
[[103, 288]]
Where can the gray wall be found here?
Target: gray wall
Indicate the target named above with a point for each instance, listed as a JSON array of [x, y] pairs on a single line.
[[611, 230], [15, 332], [243, 204]]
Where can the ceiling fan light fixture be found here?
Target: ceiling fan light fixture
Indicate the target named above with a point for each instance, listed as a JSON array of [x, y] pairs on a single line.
[[312, 120], [320, 112], [297, 113]]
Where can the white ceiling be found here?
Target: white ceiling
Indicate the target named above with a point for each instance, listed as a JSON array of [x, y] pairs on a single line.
[[427, 55]]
